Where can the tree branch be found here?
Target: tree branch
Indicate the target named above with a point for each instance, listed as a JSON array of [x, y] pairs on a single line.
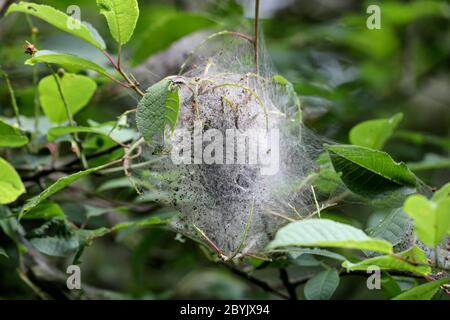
[[290, 287], [257, 282]]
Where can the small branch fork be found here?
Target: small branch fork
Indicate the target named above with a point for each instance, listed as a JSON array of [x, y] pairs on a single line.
[[131, 81]]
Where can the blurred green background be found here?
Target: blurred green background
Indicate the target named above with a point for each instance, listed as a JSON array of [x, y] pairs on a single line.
[[343, 72]]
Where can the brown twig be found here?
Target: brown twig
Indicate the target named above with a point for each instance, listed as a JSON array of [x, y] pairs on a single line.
[[290, 287], [132, 84]]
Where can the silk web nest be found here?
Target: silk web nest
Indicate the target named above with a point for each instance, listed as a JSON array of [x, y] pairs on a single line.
[[234, 208]]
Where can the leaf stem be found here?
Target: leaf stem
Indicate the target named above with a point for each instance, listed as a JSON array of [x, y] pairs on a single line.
[[132, 84], [69, 116], [12, 95], [244, 236]]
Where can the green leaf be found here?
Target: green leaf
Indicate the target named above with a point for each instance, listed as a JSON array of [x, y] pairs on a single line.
[[326, 233], [3, 253], [392, 228], [431, 219], [45, 210], [412, 260], [77, 91], [55, 187], [122, 16], [151, 221], [423, 292], [322, 285], [431, 161], [390, 286], [172, 108], [11, 186], [55, 238], [422, 139], [87, 236], [297, 252], [11, 136], [305, 260], [163, 33], [442, 193], [279, 79], [374, 133], [369, 172], [60, 20], [119, 134], [159, 107], [66, 61], [123, 182]]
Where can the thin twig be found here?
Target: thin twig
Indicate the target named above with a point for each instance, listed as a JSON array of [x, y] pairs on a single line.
[[256, 39], [290, 287], [132, 84], [244, 236], [12, 95], [315, 201], [69, 116], [257, 282], [37, 108]]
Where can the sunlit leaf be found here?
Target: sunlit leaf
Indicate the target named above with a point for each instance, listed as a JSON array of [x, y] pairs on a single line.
[[423, 292], [11, 136], [60, 20], [122, 16], [374, 133], [65, 60], [11, 186], [118, 134], [76, 89], [326, 233], [442, 193], [431, 219]]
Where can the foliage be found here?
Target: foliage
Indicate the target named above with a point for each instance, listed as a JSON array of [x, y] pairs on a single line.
[[65, 186]]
